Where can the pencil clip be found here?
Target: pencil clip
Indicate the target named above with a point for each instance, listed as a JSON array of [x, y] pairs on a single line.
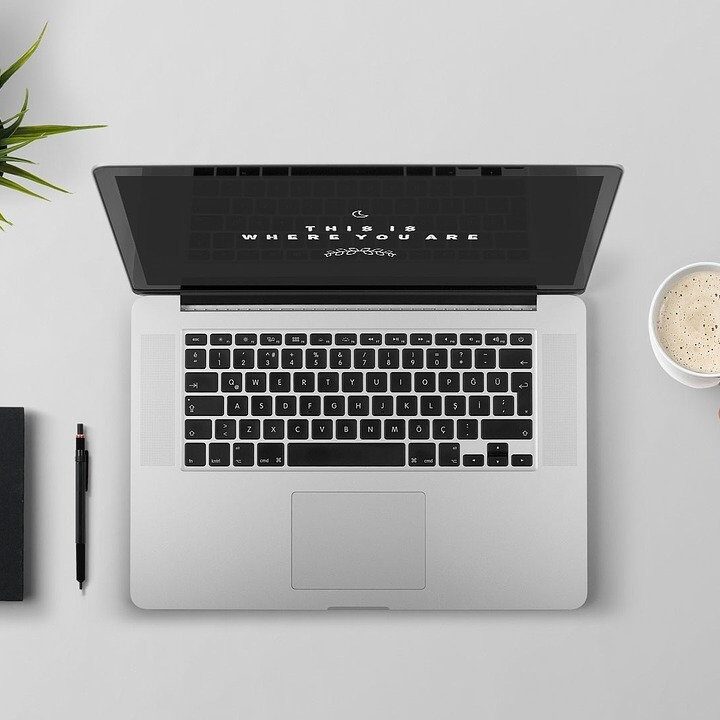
[[87, 470]]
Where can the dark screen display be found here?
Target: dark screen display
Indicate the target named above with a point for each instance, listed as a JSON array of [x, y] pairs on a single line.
[[374, 230]]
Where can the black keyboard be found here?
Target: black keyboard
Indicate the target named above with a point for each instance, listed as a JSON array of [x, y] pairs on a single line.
[[423, 400]]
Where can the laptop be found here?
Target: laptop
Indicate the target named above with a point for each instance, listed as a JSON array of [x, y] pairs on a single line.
[[358, 386]]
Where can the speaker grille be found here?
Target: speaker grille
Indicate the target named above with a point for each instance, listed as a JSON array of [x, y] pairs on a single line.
[[157, 400], [559, 399]]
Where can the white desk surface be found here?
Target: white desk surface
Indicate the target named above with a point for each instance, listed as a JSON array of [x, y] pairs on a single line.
[[321, 82]]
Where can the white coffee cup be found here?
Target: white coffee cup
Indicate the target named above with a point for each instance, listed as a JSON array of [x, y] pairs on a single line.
[[678, 372]]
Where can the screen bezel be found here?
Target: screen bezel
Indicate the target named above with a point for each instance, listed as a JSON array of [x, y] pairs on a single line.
[[106, 181]]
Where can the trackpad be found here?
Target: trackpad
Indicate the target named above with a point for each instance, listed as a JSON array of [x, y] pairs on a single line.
[[358, 540]]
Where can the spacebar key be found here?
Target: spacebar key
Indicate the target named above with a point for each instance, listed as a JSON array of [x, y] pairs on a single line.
[[340, 454]]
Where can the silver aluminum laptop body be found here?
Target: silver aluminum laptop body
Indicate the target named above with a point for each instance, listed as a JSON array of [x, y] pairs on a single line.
[[405, 538]]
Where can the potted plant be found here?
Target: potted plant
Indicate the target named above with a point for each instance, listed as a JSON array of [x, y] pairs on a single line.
[[14, 136]]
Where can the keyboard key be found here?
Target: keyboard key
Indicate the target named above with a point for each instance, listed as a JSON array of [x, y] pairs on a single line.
[[297, 429], [255, 382], [320, 339], [407, 405], [198, 429], [370, 339], [204, 405], [230, 382], [249, 429], [196, 339], [271, 339], [421, 454], [345, 339], [467, 429], [334, 405], [445, 339], [389, 358], [394, 429], [268, 359], [295, 339], [243, 359], [376, 382], [261, 405], [472, 460], [221, 339], [421, 339], [430, 405], [339, 454], [279, 382], [370, 429], [219, 359], [479, 405], [449, 455], [346, 429], [304, 382], [497, 460], [316, 359], [358, 405], [425, 382], [195, 454], [521, 383], [322, 429], [201, 382], [329, 382], [448, 382], [443, 429], [340, 358], [497, 448], [471, 338], [461, 358], [506, 429], [195, 359], [364, 359], [520, 338], [243, 454], [309, 404], [225, 429], [270, 454], [291, 358], [473, 382], [352, 382], [485, 358], [437, 358], [395, 338], [497, 382], [521, 460], [495, 339], [454, 405], [382, 405], [520, 358], [273, 429], [412, 358], [237, 405], [419, 429], [246, 339], [285, 405], [219, 454], [503, 405], [400, 382]]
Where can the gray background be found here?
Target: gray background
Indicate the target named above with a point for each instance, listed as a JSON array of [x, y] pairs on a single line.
[[291, 82]]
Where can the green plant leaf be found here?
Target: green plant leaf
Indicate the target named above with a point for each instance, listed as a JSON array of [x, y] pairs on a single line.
[[37, 131], [4, 182], [12, 158], [10, 170], [12, 146], [3, 219], [8, 130], [7, 74]]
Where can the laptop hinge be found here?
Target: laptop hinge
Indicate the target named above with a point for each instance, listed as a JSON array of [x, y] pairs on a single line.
[[507, 298]]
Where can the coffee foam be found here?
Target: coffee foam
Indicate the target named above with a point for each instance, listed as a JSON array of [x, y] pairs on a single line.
[[688, 323]]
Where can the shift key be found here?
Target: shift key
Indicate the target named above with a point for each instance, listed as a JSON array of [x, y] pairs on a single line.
[[506, 429]]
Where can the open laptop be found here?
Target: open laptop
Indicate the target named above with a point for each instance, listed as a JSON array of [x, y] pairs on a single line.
[[358, 386]]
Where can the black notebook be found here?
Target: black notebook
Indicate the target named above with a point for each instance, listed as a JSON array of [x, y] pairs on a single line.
[[12, 491]]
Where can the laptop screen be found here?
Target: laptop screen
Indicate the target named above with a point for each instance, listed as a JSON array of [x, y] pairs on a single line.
[[358, 227]]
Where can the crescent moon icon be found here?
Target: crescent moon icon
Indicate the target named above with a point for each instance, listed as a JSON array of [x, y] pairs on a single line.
[[359, 214]]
